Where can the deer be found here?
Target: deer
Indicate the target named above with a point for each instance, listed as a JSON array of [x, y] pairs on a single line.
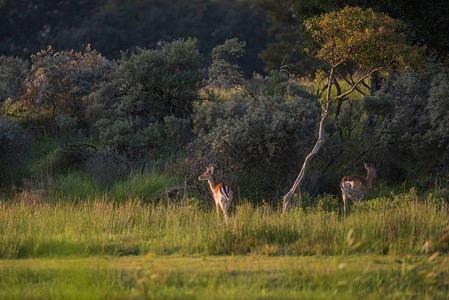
[[354, 187], [222, 192]]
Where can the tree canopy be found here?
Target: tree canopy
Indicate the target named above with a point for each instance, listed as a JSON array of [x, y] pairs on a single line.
[[424, 23]]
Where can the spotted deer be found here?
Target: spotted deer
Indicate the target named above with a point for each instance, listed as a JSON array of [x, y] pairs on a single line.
[[354, 187], [222, 192]]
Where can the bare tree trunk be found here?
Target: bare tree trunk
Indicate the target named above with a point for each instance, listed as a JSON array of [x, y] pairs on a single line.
[[316, 148], [299, 179]]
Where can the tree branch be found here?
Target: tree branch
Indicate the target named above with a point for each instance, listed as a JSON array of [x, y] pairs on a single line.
[[359, 81]]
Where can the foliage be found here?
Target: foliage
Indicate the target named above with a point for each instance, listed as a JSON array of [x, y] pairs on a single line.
[[423, 23], [287, 42], [224, 72], [251, 136], [149, 98], [437, 109], [13, 72], [60, 82], [12, 144], [412, 132], [248, 131], [360, 37]]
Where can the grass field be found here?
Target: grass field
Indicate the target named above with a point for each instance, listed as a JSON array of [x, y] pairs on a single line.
[[227, 277], [394, 246]]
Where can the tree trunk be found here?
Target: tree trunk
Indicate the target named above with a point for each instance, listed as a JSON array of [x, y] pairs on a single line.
[[299, 179], [325, 111]]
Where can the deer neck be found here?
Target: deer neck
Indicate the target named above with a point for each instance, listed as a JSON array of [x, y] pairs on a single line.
[[212, 182], [369, 178]]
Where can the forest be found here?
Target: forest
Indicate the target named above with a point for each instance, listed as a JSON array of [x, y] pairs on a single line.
[[141, 138]]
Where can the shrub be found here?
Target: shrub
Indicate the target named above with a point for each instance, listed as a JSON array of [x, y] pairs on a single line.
[[131, 110], [12, 144], [437, 109], [107, 167], [13, 72], [60, 82], [413, 132], [225, 72], [259, 140]]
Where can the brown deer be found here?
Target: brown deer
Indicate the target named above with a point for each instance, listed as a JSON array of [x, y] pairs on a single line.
[[354, 187], [222, 192]]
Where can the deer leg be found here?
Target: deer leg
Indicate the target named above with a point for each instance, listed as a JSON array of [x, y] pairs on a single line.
[[344, 201], [216, 208], [225, 213]]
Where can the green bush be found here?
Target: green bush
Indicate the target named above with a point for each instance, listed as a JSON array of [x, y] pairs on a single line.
[[130, 111], [412, 137], [12, 144], [60, 82], [225, 72], [259, 140], [437, 109], [13, 72]]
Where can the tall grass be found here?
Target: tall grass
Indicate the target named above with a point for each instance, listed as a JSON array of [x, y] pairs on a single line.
[[146, 186], [397, 225]]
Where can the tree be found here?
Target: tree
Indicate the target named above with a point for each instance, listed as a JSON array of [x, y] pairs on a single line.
[[424, 22], [369, 41]]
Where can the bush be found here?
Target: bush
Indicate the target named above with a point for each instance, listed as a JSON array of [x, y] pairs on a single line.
[[60, 82], [107, 167], [260, 140], [12, 144], [412, 136], [437, 109], [225, 72], [13, 72], [66, 158], [130, 111]]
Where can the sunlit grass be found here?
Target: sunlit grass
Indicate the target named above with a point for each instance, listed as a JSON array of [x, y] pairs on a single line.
[[397, 225], [226, 277]]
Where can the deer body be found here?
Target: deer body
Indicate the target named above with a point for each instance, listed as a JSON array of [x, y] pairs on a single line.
[[222, 192], [354, 187]]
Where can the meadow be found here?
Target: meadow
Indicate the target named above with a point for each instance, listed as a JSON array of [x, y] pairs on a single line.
[[52, 246]]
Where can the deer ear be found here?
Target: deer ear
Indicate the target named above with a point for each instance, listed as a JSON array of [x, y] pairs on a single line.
[[211, 169], [365, 165]]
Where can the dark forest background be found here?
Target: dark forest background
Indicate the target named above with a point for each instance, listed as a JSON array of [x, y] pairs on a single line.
[[269, 27]]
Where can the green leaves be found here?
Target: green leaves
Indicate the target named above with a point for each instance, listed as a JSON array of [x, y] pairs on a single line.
[[131, 110], [364, 38], [60, 81]]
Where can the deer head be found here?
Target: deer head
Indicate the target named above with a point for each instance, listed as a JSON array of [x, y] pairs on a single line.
[[208, 174]]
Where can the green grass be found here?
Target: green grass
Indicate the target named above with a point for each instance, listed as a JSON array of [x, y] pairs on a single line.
[[127, 243], [402, 224], [146, 186], [227, 277]]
